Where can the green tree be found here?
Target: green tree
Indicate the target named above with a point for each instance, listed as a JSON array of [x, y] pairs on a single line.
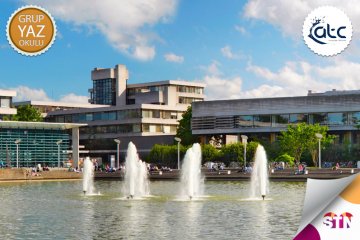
[[286, 158], [184, 129], [27, 113], [232, 153], [209, 153], [313, 141], [165, 155], [300, 138]]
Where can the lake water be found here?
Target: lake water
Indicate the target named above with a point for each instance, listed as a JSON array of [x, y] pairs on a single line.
[[58, 210]]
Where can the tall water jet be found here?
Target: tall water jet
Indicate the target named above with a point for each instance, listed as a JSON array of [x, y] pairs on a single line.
[[192, 182], [88, 177], [259, 185], [136, 183]]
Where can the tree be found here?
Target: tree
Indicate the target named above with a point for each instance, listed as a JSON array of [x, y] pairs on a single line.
[[286, 158], [313, 142], [184, 129], [209, 153], [27, 113], [301, 137]]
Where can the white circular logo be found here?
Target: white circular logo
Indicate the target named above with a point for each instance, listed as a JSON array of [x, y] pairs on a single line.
[[327, 31]]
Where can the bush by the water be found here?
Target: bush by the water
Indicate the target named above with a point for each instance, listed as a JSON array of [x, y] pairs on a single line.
[[166, 155], [286, 158]]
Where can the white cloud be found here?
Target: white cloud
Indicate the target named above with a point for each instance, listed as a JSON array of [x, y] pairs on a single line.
[[289, 16], [126, 24], [24, 93], [293, 79], [171, 57], [73, 98], [227, 52], [222, 88], [212, 69], [296, 78]]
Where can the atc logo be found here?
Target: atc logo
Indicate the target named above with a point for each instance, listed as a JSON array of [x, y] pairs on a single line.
[[327, 31], [331, 220]]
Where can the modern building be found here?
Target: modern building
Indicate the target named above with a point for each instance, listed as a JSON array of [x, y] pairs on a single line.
[[6, 108], [26, 144], [266, 117], [144, 113], [48, 106]]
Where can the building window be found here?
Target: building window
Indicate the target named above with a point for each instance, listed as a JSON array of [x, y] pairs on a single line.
[[128, 114], [281, 120], [104, 91], [5, 103], [190, 89], [244, 121], [188, 100], [262, 121], [320, 118], [298, 118], [88, 117], [97, 116], [355, 118], [112, 115], [337, 118], [68, 118], [158, 128]]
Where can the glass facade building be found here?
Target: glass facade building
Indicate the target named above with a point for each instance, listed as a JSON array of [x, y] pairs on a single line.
[[26, 144], [33, 147], [104, 91], [339, 110]]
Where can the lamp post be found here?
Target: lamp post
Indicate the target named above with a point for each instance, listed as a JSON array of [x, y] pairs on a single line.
[[178, 141], [244, 139], [319, 136], [58, 144], [118, 152], [17, 141]]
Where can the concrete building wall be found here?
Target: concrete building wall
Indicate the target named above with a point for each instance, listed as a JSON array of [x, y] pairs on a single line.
[[149, 97], [306, 104], [6, 102], [121, 75], [102, 73], [171, 96], [340, 112]]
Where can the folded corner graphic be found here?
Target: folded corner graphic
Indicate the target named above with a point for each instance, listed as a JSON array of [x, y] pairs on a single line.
[[331, 210]]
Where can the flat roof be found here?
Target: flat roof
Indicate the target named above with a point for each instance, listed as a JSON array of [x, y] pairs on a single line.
[[167, 82], [59, 104], [39, 125], [7, 93]]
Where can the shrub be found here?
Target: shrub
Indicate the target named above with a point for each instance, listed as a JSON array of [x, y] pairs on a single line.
[[209, 153], [286, 158]]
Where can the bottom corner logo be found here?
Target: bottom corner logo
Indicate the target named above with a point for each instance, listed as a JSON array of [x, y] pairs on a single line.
[[337, 221]]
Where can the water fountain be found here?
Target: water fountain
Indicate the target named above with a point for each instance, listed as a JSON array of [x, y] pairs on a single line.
[[88, 177], [192, 182], [136, 183], [259, 176]]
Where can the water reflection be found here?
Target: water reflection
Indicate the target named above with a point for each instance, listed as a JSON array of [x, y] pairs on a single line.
[[57, 210]]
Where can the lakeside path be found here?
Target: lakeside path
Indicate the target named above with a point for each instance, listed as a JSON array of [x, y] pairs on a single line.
[[24, 174]]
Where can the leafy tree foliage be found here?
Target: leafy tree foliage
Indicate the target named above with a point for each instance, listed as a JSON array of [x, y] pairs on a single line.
[[286, 158], [165, 155], [209, 153], [184, 129], [301, 137], [27, 113]]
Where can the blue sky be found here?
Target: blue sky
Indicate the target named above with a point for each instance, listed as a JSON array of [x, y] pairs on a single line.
[[240, 49]]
